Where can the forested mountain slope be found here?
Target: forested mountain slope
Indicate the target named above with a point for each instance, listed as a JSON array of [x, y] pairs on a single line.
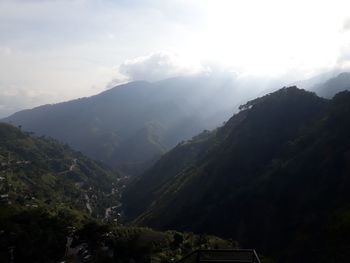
[[275, 177]]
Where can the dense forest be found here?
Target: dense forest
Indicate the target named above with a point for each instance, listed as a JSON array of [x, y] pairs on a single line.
[[37, 235], [274, 177]]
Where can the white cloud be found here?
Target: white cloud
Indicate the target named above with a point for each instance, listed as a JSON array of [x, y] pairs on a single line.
[[343, 61], [63, 48], [5, 51], [159, 65], [14, 98], [346, 26]]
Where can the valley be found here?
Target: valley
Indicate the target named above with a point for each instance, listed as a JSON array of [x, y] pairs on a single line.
[[178, 131], [275, 170]]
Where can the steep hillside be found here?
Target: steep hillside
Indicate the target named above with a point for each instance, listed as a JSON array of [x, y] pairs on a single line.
[[274, 177], [155, 180], [131, 125], [236, 151], [41, 172]]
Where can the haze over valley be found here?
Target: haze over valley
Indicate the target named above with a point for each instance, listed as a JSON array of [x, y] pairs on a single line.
[[174, 131]]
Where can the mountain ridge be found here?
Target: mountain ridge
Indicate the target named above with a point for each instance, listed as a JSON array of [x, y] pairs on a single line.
[[247, 183], [100, 125]]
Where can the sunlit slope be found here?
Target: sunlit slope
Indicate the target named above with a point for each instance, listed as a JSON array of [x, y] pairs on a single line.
[[43, 172]]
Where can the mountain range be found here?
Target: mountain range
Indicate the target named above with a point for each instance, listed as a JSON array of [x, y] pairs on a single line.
[[131, 125], [274, 176]]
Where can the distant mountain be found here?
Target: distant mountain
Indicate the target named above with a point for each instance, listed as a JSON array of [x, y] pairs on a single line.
[[274, 177], [310, 83], [333, 85], [131, 125], [41, 172]]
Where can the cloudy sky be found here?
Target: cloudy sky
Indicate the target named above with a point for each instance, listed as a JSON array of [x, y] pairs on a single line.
[[55, 50]]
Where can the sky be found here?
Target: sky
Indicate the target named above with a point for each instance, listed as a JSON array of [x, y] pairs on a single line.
[[56, 50]]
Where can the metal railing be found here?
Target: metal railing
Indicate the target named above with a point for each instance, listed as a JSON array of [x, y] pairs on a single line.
[[222, 256]]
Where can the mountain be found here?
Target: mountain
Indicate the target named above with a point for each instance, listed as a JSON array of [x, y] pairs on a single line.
[[53, 204], [131, 125], [332, 86], [41, 172], [274, 177]]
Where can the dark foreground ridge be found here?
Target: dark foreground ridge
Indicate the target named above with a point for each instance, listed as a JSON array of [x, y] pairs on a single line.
[[221, 256]]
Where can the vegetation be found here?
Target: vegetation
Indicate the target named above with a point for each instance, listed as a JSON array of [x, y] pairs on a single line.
[[35, 235], [274, 177], [31, 235], [43, 172], [53, 203], [144, 244]]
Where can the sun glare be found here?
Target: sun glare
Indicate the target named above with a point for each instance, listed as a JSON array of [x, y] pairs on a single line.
[[273, 37]]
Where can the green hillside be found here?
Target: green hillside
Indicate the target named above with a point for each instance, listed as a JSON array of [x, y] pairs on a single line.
[[38, 172], [274, 177]]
